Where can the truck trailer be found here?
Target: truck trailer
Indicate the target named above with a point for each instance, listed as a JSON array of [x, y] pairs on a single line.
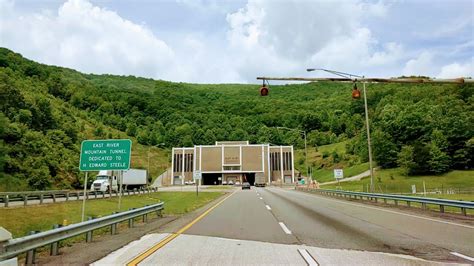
[[110, 180]]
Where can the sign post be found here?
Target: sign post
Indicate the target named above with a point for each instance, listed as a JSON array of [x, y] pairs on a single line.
[[197, 176], [110, 154], [84, 198], [338, 174]]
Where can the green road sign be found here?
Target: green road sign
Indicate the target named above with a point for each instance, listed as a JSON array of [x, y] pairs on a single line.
[[110, 154]]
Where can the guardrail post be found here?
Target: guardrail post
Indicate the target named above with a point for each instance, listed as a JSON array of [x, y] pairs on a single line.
[[441, 208], [396, 202], [6, 199], [145, 216], [385, 201], [25, 199], [128, 192], [95, 194], [54, 197], [89, 234], [408, 203], [463, 211], [376, 200], [423, 206], [54, 246], [77, 195], [67, 196], [130, 221], [31, 254], [41, 198], [113, 227]]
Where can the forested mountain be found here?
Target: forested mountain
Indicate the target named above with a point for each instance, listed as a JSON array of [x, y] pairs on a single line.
[[47, 111]]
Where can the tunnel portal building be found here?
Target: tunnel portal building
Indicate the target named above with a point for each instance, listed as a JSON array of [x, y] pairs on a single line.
[[236, 161]]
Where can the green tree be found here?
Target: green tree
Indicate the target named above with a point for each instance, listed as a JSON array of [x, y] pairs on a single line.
[[384, 150], [406, 159], [439, 161]]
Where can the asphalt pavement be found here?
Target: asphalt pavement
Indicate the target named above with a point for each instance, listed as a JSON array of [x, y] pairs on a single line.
[[283, 226]]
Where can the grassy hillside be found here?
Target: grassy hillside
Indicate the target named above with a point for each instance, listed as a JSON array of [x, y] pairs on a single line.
[[324, 159], [46, 111], [394, 181]]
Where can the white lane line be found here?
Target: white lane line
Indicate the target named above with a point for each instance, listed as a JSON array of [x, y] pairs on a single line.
[[462, 256], [380, 209], [268, 207], [307, 257], [285, 229], [261, 198]]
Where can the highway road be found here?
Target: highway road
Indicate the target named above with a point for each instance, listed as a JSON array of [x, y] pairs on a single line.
[[283, 226]]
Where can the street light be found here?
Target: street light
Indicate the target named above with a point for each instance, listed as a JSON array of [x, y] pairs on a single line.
[[305, 146], [349, 76]]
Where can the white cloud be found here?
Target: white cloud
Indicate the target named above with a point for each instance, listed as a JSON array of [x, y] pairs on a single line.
[[86, 38], [423, 65], [289, 36], [426, 65], [264, 37], [457, 70]]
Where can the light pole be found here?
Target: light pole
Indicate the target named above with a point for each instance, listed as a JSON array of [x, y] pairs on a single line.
[[305, 146], [350, 76]]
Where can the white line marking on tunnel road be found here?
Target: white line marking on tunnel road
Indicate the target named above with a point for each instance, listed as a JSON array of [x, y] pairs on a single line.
[[380, 209], [268, 207], [307, 257], [285, 229], [462, 256], [261, 198]]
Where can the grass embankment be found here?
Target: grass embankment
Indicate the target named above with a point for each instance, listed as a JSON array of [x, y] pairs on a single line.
[[321, 157], [326, 175], [19, 221], [393, 181]]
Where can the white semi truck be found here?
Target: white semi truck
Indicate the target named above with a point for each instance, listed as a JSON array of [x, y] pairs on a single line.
[[133, 178]]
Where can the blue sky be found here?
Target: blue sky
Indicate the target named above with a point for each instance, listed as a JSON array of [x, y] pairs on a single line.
[[211, 41]]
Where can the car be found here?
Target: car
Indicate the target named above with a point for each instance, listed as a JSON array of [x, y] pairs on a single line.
[[230, 183], [246, 185], [224, 182]]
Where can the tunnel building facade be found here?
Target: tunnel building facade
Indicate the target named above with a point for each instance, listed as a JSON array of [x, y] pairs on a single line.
[[236, 161]]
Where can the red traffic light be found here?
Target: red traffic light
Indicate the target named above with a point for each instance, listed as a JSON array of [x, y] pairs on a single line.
[[263, 91], [355, 92]]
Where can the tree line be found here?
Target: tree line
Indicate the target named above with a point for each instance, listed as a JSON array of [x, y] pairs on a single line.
[[47, 111]]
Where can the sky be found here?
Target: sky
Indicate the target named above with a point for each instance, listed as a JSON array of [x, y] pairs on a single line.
[[212, 41]]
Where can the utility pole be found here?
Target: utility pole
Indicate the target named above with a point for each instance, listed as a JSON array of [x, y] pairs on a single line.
[[368, 140]]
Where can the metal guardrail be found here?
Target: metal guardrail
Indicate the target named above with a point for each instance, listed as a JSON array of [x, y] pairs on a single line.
[[28, 244], [442, 203], [7, 197]]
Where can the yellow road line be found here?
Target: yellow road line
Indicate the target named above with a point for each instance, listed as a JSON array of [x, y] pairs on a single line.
[[168, 239]]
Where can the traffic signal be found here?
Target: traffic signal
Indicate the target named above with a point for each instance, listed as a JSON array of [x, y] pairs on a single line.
[[355, 92], [264, 90]]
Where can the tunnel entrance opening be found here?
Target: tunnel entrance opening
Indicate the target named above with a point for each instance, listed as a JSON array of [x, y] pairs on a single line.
[[249, 177], [211, 179]]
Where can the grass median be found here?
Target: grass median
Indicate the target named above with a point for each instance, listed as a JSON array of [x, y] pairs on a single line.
[[21, 220]]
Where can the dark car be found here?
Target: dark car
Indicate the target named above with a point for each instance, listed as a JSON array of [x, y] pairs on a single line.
[[246, 185]]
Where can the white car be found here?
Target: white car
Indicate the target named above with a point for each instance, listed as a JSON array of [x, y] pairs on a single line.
[[230, 183], [224, 182]]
